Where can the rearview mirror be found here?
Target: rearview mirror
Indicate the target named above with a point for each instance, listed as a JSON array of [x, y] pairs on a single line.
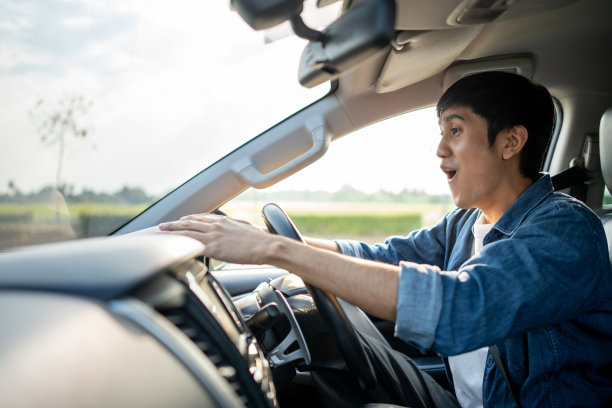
[[263, 14], [348, 41]]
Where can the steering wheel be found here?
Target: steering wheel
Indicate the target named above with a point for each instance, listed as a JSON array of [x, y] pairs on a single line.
[[278, 222]]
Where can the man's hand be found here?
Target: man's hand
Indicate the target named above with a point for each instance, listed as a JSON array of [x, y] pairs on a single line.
[[224, 238]]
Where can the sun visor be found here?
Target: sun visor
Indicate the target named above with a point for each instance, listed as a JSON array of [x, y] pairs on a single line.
[[418, 55], [522, 64]]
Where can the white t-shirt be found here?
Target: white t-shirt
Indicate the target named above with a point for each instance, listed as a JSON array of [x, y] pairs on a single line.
[[468, 368]]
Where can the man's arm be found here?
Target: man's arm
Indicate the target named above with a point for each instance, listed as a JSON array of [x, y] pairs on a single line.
[[369, 285]]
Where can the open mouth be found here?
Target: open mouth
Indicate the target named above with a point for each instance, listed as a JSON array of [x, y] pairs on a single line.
[[450, 173]]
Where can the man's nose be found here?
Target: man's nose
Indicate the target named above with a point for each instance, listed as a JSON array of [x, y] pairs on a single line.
[[442, 151]]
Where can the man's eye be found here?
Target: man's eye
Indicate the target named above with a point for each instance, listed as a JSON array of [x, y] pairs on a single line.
[[450, 132]]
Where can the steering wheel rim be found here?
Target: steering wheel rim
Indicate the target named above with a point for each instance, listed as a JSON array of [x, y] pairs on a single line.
[[343, 332]]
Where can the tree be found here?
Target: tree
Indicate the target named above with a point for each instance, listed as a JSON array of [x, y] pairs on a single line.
[[131, 195], [56, 121], [13, 188]]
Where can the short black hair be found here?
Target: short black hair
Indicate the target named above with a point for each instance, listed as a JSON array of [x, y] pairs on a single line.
[[505, 100]]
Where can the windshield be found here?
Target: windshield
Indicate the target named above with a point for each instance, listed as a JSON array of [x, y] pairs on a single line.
[[109, 105]]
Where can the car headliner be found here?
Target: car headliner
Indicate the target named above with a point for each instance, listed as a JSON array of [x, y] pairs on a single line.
[[550, 32]]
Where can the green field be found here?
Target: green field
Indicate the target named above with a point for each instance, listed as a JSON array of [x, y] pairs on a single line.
[[367, 227], [27, 224], [41, 211]]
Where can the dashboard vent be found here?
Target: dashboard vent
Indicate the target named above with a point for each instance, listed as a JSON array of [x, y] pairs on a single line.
[[183, 319], [192, 313]]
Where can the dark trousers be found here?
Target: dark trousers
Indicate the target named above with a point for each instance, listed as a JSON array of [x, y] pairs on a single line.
[[399, 382]]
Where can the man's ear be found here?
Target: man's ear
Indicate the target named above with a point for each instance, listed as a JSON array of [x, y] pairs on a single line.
[[514, 141]]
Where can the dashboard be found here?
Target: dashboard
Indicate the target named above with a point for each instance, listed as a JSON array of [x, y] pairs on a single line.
[[124, 321]]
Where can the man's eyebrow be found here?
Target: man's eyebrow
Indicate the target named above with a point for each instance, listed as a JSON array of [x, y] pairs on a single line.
[[452, 116]]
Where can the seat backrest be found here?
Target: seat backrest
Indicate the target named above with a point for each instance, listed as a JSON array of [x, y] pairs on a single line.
[[605, 158]]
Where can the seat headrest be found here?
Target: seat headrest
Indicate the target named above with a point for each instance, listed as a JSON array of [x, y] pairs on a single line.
[[605, 147]]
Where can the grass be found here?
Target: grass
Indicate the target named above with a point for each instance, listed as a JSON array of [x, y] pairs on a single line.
[[356, 225], [28, 224], [48, 210]]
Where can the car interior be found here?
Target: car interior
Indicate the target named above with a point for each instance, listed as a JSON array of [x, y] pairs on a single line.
[[141, 318]]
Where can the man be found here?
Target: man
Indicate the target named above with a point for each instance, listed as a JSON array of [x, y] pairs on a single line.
[[515, 265]]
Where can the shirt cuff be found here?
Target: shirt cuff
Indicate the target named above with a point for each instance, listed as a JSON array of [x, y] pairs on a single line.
[[349, 247], [419, 304]]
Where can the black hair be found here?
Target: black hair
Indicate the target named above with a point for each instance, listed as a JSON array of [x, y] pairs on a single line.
[[505, 100]]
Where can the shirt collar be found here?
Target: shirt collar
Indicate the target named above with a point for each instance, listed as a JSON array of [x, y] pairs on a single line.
[[514, 216]]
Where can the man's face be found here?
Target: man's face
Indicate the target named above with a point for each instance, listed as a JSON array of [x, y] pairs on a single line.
[[473, 169]]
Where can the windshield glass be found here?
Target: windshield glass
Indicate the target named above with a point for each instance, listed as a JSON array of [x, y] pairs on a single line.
[[109, 105]]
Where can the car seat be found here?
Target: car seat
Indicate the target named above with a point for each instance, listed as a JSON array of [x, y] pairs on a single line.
[[605, 157]]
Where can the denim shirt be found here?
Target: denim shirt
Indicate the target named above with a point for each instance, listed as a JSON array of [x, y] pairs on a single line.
[[540, 289]]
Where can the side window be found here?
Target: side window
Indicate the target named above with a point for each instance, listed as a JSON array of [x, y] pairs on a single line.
[[382, 180]]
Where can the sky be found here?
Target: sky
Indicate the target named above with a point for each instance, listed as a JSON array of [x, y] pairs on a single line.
[[173, 87]]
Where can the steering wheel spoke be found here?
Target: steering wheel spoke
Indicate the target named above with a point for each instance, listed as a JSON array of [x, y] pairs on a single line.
[[281, 355]]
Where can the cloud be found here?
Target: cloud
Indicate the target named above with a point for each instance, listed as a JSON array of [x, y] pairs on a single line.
[[77, 22], [15, 25], [13, 56]]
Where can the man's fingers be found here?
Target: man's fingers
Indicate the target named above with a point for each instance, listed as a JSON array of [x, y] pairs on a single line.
[[184, 225], [224, 238]]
